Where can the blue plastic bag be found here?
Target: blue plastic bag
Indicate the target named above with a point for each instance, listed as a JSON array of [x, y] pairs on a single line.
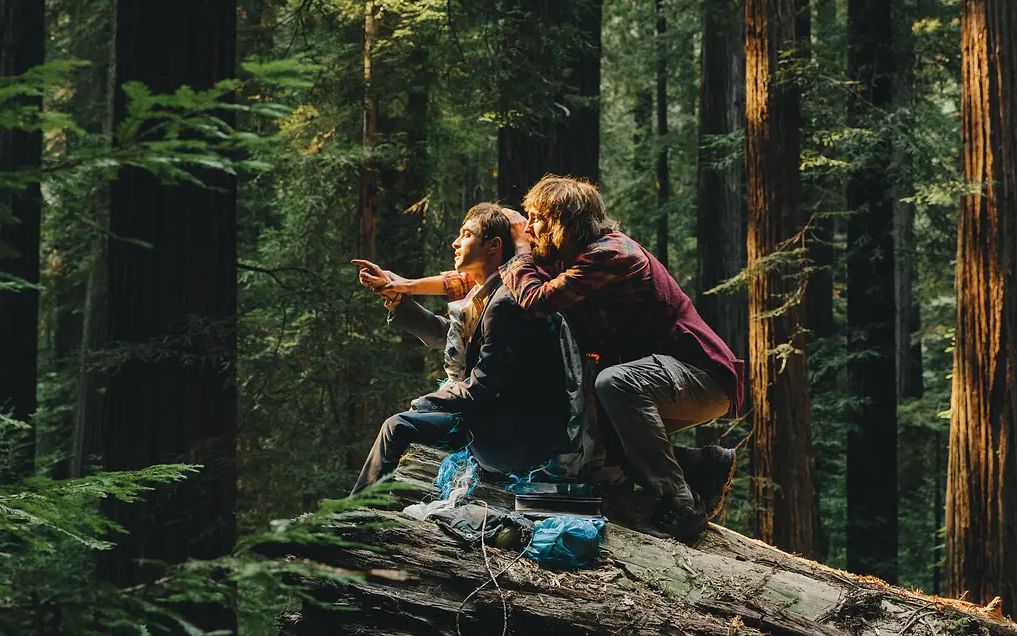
[[456, 470], [566, 542]]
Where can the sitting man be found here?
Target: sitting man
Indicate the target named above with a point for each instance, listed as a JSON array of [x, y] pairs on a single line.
[[508, 402]]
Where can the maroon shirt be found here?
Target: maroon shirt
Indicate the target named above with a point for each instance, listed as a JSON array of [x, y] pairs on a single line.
[[625, 305]]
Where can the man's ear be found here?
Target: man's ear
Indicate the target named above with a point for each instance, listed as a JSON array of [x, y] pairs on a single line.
[[495, 243]]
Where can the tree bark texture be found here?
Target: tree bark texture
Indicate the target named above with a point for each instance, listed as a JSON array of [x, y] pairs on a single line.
[[562, 135], [720, 203], [662, 172], [872, 440], [981, 506], [172, 306], [22, 38], [782, 439], [416, 583]]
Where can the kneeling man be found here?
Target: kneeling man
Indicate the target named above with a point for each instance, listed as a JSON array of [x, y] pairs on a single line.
[[510, 405]]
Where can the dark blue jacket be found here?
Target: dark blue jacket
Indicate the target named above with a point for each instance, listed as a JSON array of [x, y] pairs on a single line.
[[514, 399]]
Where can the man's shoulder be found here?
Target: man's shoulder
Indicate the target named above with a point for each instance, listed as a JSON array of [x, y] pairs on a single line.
[[614, 250], [502, 300], [616, 243]]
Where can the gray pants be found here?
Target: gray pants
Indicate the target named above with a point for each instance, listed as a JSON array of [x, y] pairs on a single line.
[[648, 399]]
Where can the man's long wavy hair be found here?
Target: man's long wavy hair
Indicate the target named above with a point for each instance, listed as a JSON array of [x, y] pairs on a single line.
[[573, 208]]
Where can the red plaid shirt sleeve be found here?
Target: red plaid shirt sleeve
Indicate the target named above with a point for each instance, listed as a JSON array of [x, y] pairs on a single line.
[[609, 259], [456, 285]]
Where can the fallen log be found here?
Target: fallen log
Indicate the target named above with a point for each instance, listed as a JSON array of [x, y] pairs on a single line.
[[419, 580]]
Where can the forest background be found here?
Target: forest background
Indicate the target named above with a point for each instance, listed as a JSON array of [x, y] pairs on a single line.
[[359, 129]]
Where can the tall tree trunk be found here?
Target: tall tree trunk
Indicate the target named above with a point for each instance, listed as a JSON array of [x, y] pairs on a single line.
[[663, 178], [580, 152], [401, 205], [642, 116], [564, 136], [981, 502], [819, 240], [782, 439], [90, 105], [872, 440], [22, 38], [908, 323], [179, 297], [720, 204], [90, 416], [369, 176], [919, 490]]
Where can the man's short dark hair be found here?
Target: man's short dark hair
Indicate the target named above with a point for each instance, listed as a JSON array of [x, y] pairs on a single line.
[[494, 224]]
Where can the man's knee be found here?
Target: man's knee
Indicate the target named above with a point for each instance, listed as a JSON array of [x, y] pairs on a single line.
[[395, 428], [612, 384]]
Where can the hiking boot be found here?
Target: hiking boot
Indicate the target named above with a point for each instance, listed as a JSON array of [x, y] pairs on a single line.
[[709, 471], [678, 519]]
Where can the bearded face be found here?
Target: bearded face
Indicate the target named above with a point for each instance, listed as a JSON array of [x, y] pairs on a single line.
[[543, 248]]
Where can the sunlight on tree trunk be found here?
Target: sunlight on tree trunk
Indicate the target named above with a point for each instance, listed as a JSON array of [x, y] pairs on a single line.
[[782, 439], [981, 505]]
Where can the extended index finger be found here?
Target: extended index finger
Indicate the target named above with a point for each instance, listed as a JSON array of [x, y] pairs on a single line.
[[366, 264]]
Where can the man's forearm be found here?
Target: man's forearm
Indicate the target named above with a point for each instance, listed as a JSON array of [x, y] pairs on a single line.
[[427, 286], [451, 284]]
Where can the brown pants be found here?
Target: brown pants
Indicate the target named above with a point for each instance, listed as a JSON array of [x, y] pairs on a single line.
[[648, 399]]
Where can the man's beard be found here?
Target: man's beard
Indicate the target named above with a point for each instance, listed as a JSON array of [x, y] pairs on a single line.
[[543, 249]]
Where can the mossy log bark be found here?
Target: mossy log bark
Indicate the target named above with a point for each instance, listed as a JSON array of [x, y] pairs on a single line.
[[726, 583]]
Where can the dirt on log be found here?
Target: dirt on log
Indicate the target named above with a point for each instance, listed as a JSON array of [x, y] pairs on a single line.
[[417, 580]]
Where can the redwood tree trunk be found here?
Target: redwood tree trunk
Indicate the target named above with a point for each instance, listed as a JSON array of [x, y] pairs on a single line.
[[366, 213], [720, 206], [872, 440], [552, 140], [662, 173], [22, 37], [908, 323], [819, 241], [782, 439], [173, 308], [981, 506]]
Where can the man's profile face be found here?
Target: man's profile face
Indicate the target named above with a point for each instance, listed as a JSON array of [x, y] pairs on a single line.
[[470, 248], [538, 228]]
